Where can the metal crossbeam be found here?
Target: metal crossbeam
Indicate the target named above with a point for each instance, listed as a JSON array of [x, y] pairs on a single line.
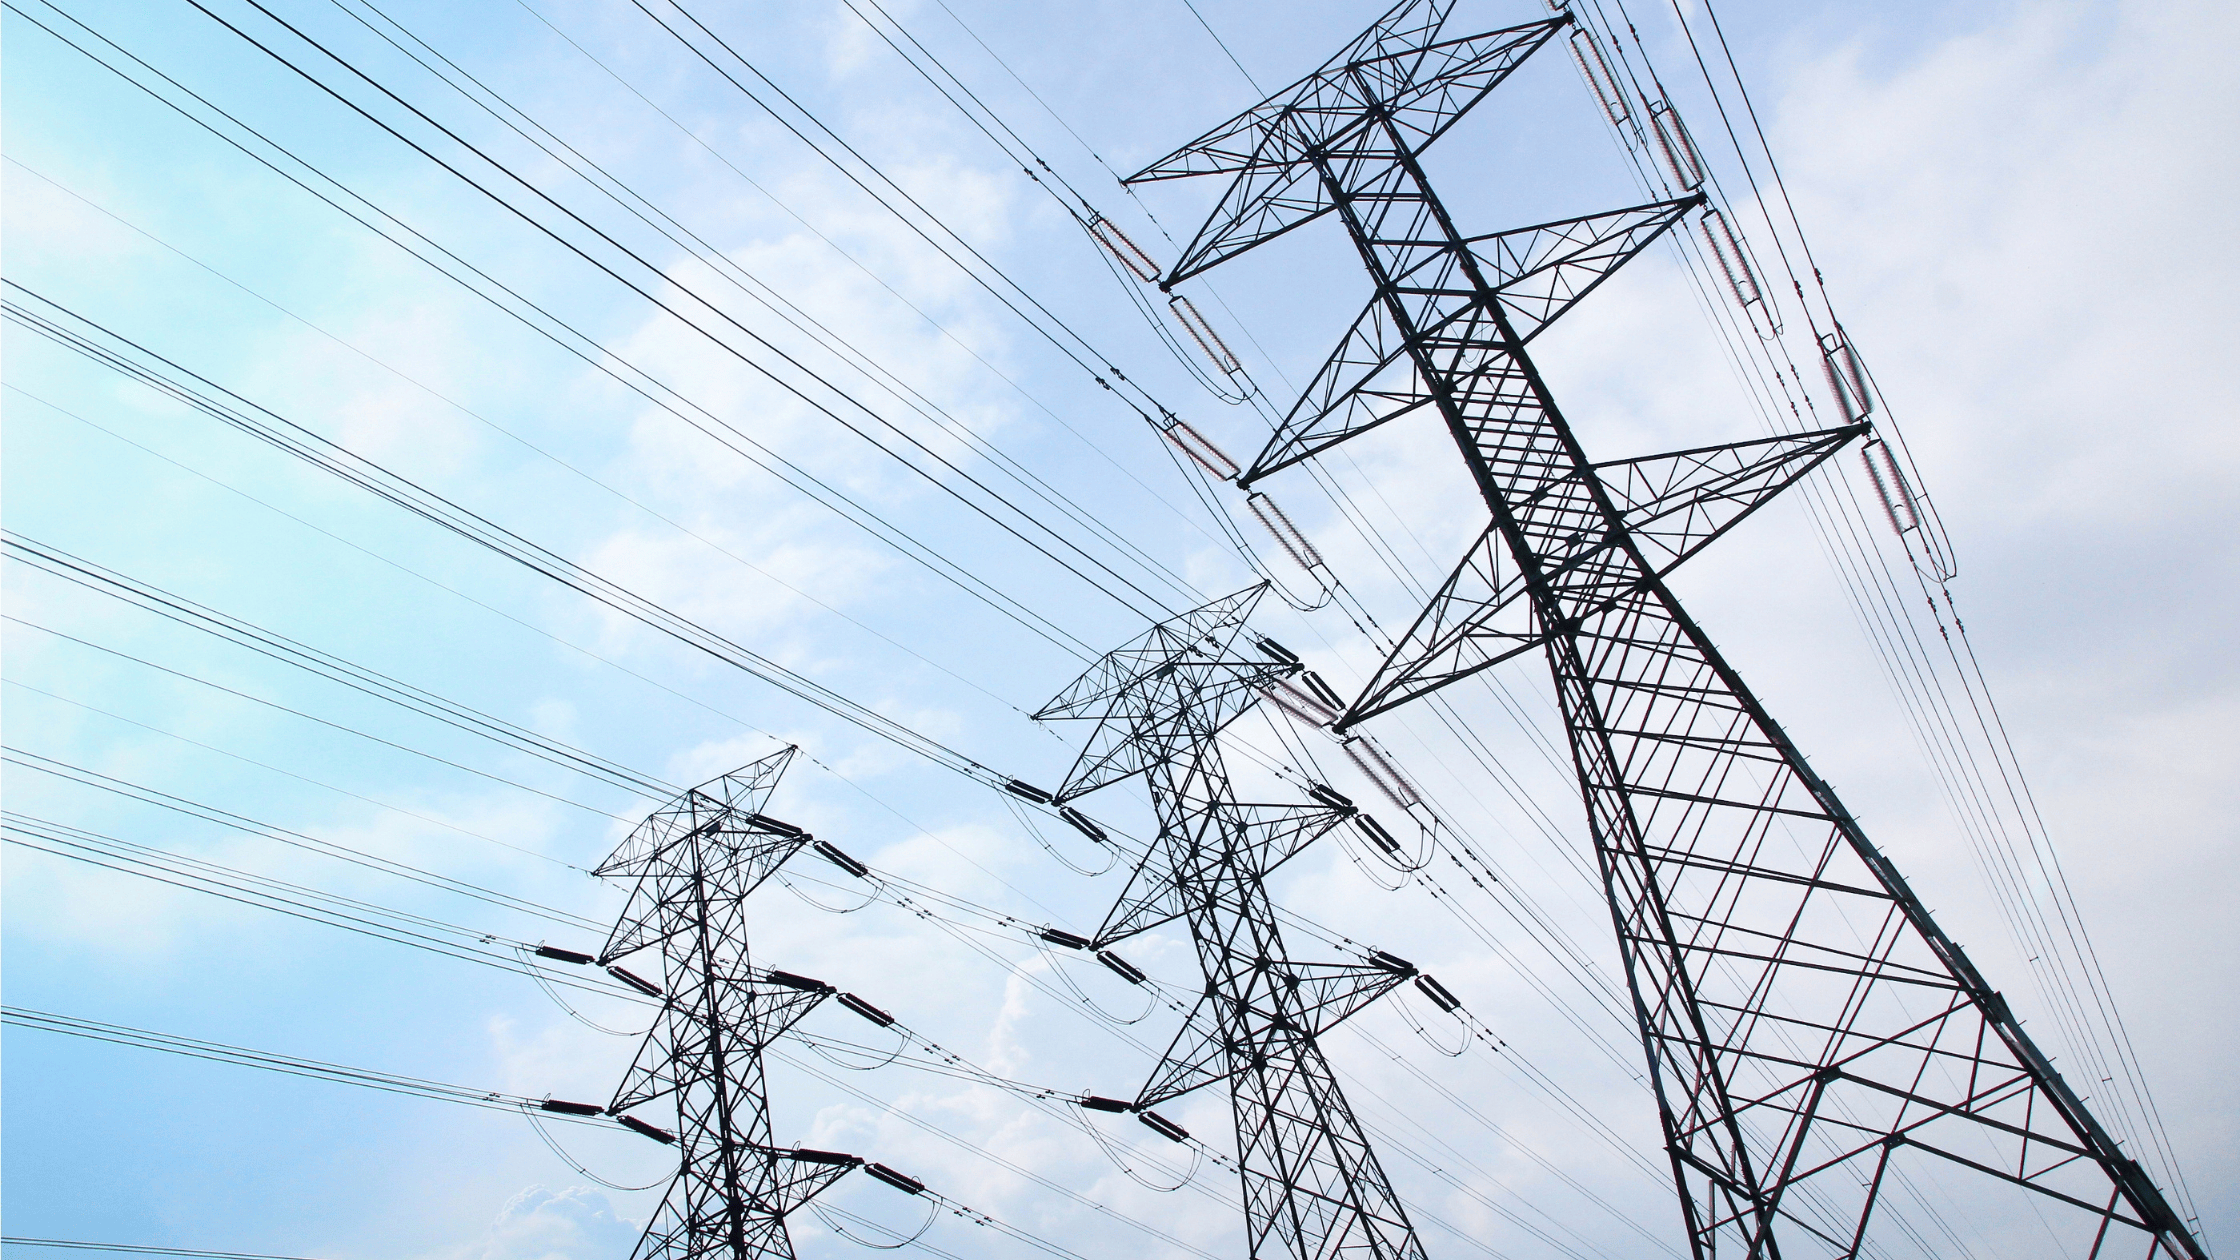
[[695, 861], [1814, 1038], [1538, 272], [1313, 1189]]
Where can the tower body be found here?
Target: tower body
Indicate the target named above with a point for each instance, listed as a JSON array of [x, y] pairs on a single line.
[[1313, 1189], [1827, 1063], [695, 862]]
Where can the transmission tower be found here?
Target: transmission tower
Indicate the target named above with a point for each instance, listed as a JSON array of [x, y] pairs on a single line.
[[695, 860], [1818, 1047], [1313, 1189]]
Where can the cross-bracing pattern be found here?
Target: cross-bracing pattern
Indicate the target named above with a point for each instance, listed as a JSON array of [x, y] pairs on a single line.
[[695, 860], [1313, 1189], [1823, 1055]]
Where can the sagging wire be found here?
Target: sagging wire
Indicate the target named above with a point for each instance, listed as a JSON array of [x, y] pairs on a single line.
[[1026, 823], [1042, 1099], [1065, 977], [1423, 1030], [795, 889], [537, 973], [1113, 1152], [1367, 866], [552, 1144], [826, 1214], [830, 1051], [957, 930]]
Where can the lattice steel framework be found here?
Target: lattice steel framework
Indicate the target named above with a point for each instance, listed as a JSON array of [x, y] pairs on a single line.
[[1313, 1189], [1819, 1048], [695, 861]]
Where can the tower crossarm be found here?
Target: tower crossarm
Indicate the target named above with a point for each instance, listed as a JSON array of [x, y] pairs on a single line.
[[1425, 84], [1536, 274]]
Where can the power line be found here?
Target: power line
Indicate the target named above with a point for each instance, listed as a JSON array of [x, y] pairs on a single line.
[[295, 839], [142, 1249], [643, 290], [580, 345], [286, 651]]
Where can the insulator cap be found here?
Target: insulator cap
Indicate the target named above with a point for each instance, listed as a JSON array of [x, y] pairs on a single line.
[[1095, 1103], [1378, 836], [636, 1125], [1322, 691], [1371, 761], [558, 954], [1290, 537], [1067, 939], [1275, 651], [1186, 314], [906, 1184], [866, 1009], [1164, 1127], [1588, 54], [767, 823], [1437, 992], [1392, 963], [1029, 791], [1201, 450], [807, 1156], [833, 855], [570, 1108], [1726, 250], [1677, 146], [1331, 797], [635, 981], [1082, 824], [792, 981], [1120, 966]]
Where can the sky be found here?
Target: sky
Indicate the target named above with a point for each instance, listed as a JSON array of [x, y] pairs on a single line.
[[2021, 213]]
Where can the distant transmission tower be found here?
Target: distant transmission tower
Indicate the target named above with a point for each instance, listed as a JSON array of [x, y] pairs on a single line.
[[695, 860], [1313, 1190], [1818, 1046]]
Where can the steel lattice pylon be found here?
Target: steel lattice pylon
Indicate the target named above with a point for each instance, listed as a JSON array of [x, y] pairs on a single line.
[[1814, 1039], [695, 860], [1313, 1189]]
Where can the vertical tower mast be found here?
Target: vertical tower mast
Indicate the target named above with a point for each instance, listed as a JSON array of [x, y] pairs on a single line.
[[1814, 1039], [695, 860], [1313, 1189]]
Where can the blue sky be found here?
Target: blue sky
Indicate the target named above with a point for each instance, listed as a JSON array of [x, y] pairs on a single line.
[[2019, 209]]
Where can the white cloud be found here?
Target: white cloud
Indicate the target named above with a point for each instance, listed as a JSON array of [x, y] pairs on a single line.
[[576, 1223], [2024, 219]]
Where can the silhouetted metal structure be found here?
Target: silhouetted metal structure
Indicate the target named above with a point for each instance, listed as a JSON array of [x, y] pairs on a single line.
[[695, 861], [1820, 1050], [1313, 1189]]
